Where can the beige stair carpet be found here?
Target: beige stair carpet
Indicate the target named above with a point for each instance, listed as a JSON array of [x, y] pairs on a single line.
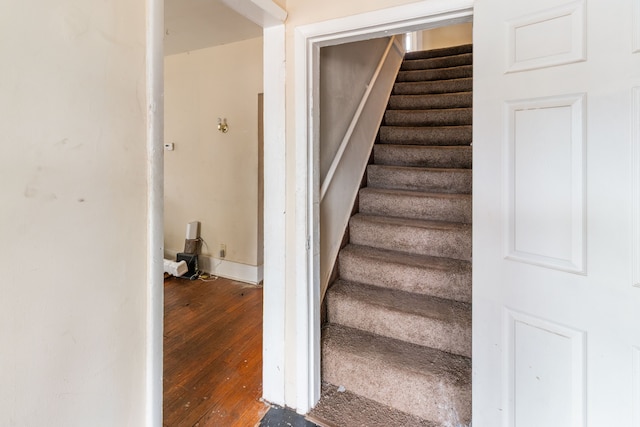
[[396, 347]]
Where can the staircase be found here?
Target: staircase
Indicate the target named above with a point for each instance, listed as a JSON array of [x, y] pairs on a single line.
[[398, 338]]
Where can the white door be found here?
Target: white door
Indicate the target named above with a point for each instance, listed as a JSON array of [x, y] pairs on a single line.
[[556, 306]]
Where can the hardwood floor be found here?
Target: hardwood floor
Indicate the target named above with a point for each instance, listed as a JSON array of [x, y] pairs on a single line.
[[212, 353]]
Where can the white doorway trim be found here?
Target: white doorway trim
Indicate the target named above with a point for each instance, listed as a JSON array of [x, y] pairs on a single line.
[[271, 18], [155, 212], [308, 41], [275, 180]]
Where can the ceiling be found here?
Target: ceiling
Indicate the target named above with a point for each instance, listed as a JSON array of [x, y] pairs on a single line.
[[196, 24]]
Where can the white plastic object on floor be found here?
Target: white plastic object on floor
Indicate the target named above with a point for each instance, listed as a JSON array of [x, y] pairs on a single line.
[[175, 268], [193, 230]]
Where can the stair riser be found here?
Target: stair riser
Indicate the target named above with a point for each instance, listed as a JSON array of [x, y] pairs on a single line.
[[435, 74], [443, 62], [440, 86], [418, 207], [433, 180], [449, 336], [440, 136], [426, 157], [426, 397], [419, 102], [446, 117], [448, 243], [441, 283]]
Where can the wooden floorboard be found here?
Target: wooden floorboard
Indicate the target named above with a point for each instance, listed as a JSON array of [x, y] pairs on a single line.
[[212, 353]]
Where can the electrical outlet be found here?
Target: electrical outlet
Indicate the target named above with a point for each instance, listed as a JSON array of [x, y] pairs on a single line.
[[223, 250]]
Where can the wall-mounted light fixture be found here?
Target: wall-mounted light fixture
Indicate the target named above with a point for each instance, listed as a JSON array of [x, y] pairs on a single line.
[[222, 125]]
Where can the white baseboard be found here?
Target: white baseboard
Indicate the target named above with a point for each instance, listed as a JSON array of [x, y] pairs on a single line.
[[224, 268]]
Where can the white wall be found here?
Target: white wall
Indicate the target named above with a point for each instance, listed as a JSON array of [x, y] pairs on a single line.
[[345, 71], [212, 177], [73, 213]]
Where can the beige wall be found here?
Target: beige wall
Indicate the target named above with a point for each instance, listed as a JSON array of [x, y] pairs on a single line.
[[306, 12], [212, 177], [73, 213], [452, 35], [281, 3]]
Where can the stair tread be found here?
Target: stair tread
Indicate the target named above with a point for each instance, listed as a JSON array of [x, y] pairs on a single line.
[[417, 148], [422, 381], [445, 68], [416, 203], [418, 360], [435, 82], [416, 194], [418, 168], [418, 318], [342, 407], [461, 134], [412, 132], [404, 258], [463, 84], [412, 222], [426, 306], [456, 156], [414, 147], [437, 62], [423, 128], [440, 52], [441, 179], [465, 94], [449, 116], [433, 74], [429, 117], [441, 277], [453, 110], [436, 100]]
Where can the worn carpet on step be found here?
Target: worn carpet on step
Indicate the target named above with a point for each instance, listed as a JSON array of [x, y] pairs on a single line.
[[336, 410]]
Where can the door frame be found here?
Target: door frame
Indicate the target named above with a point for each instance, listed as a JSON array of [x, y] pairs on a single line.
[[308, 41], [271, 18]]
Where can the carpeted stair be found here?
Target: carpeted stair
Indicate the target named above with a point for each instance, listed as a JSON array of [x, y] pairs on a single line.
[[398, 337]]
